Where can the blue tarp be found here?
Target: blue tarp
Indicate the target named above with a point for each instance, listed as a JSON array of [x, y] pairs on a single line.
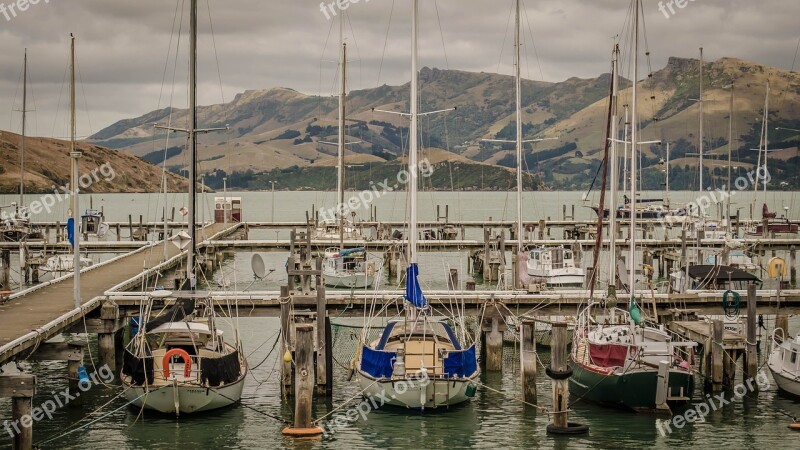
[[461, 364], [350, 251], [377, 363], [414, 293], [71, 231], [385, 336]]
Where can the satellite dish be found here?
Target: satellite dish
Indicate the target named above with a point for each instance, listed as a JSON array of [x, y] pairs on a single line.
[[160, 294], [258, 266], [182, 240]]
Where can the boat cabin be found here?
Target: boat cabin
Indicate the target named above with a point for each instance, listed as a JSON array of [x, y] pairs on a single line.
[[227, 209]]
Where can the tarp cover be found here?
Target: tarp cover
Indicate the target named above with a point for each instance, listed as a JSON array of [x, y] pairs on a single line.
[[182, 308], [223, 370], [139, 369], [461, 364], [414, 293], [609, 355], [71, 231], [377, 363]]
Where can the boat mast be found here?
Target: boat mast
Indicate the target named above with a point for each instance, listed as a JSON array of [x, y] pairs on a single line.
[[517, 64], [74, 155], [342, 134], [192, 144], [634, 144], [612, 206], [625, 158], [766, 144], [702, 112], [413, 144], [24, 123], [730, 167]]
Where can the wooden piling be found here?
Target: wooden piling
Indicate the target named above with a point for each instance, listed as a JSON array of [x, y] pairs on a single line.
[[717, 354], [322, 350], [106, 342], [560, 372], [21, 389], [304, 383], [5, 277], [492, 328], [286, 365], [793, 265], [528, 360], [452, 280], [751, 359]]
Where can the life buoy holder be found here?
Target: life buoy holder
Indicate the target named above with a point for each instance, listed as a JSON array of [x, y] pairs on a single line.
[[187, 366]]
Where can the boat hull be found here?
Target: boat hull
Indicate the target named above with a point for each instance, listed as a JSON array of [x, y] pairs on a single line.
[[183, 398], [635, 390], [415, 393], [357, 280], [787, 381]]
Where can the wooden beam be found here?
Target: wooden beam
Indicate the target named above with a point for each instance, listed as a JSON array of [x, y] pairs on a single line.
[[17, 386], [59, 351]]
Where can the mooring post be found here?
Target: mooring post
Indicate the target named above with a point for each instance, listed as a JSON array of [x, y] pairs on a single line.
[[493, 338], [106, 342], [452, 280], [560, 372], [528, 360], [304, 383], [286, 340], [322, 349], [5, 278], [542, 226], [717, 354], [793, 265], [751, 363], [21, 389], [662, 389]]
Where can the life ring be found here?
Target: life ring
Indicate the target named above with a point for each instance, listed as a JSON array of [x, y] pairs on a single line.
[[187, 367]]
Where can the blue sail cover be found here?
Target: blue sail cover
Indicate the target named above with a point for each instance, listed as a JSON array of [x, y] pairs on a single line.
[[377, 363], [414, 293], [71, 231], [461, 364], [350, 251]]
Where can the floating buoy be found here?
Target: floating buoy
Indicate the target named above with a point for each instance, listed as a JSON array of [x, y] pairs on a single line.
[[302, 432], [287, 357], [795, 426]]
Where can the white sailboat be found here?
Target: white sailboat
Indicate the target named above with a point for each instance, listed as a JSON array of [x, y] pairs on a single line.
[[179, 362], [784, 362], [344, 268], [418, 361]]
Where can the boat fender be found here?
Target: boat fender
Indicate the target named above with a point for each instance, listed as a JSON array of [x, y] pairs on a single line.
[[83, 377], [558, 375], [187, 361], [795, 426], [571, 428]]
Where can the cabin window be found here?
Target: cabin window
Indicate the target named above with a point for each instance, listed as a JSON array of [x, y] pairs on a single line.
[[567, 255], [535, 256]]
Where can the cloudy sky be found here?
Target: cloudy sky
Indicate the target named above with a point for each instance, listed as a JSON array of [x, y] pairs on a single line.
[[125, 48]]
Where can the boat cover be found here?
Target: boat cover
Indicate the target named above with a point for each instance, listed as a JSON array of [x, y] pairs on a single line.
[[414, 293], [461, 364], [223, 370], [377, 363]]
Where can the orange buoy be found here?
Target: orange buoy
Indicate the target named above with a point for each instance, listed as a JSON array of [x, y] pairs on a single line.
[[795, 426], [302, 432]]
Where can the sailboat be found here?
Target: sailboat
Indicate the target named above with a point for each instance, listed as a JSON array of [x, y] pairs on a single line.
[[418, 361], [619, 359], [179, 361], [341, 267], [16, 226]]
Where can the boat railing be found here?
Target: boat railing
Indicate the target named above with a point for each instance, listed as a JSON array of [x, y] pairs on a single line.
[[777, 341]]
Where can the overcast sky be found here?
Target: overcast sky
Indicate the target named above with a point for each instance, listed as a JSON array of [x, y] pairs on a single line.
[[123, 46]]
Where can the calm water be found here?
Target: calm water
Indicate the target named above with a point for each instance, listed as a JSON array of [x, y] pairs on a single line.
[[490, 420]]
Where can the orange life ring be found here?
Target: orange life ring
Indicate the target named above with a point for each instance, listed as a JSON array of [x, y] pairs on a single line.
[[187, 368]]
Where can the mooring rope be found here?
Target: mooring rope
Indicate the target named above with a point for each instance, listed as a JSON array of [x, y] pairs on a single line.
[[345, 403]]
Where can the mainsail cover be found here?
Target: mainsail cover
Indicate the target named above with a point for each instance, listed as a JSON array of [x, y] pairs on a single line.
[[414, 293]]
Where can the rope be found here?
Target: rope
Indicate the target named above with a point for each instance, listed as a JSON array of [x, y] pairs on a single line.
[[540, 408], [345, 403], [279, 419], [94, 421]]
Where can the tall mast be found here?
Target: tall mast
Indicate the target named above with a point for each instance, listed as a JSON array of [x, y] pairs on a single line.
[[634, 156], [517, 64], [730, 167], [625, 170], [74, 155], [24, 123], [702, 112], [190, 271], [413, 143], [342, 134], [614, 161], [766, 144]]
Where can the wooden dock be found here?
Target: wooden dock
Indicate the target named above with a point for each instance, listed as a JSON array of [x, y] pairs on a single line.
[[34, 315]]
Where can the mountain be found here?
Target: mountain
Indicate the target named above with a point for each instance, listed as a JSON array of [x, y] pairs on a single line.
[[281, 133], [47, 167]]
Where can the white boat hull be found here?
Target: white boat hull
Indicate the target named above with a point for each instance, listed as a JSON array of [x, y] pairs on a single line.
[[787, 378], [415, 394], [350, 280], [560, 277], [184, 398]]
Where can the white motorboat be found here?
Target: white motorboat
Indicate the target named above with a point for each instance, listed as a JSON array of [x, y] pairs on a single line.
[[784, 363], [555, 266], [348, 268]]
